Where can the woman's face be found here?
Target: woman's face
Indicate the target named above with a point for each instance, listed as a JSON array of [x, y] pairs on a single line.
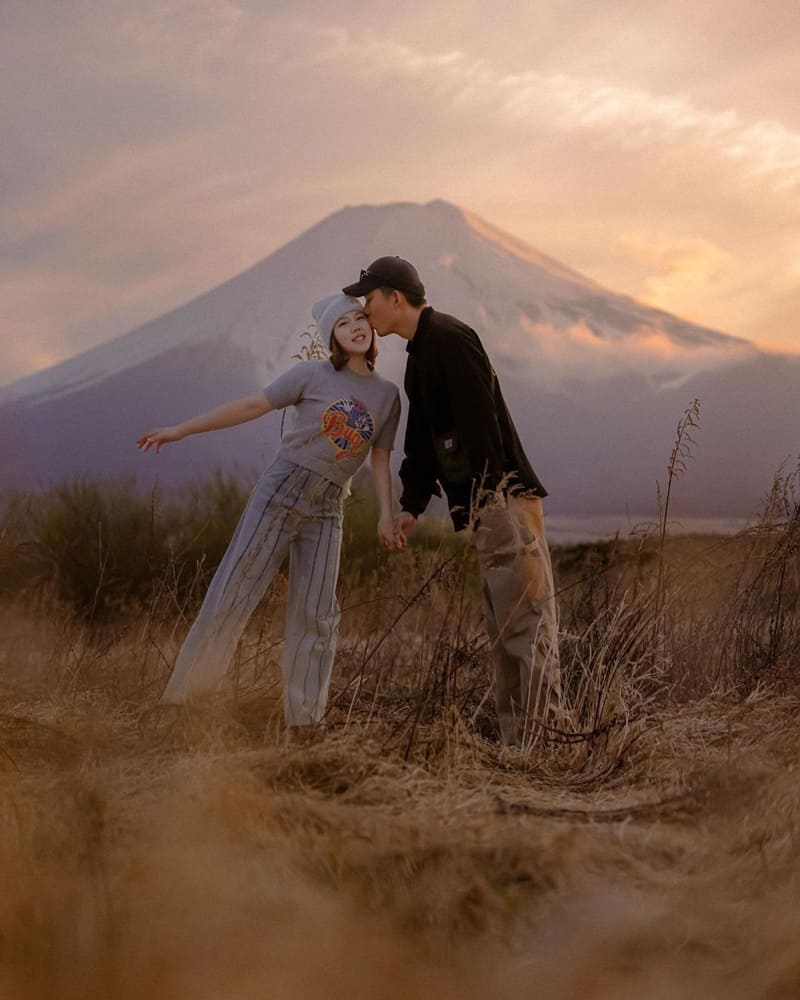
[[353, 333]]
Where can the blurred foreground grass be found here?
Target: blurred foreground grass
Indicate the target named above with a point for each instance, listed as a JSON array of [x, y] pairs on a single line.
[[649, 848]]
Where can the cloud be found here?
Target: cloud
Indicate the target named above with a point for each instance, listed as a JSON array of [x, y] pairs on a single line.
[[763, 149], [154, 149], [777, 325], [686, 269], [37, 339], [648, 352]]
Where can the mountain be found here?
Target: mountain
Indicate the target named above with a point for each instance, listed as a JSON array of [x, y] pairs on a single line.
[[596, 381]]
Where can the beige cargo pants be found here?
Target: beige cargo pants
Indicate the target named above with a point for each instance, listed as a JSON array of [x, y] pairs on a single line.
[[521, 620]]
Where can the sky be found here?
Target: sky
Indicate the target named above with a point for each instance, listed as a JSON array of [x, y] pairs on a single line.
[[154, 148]]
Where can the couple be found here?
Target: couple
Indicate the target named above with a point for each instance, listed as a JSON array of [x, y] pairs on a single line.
[[459, 437]]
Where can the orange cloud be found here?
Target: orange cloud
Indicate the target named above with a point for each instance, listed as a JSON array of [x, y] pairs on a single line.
[[687, 270]]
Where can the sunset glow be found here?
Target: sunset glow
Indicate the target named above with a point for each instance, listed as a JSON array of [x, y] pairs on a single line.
[[154, 150]]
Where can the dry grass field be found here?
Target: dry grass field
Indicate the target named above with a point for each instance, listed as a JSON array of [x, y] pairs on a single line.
[[649, 848]]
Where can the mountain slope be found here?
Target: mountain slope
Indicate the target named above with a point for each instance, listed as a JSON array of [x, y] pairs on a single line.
[[596, 380], [520, 299]]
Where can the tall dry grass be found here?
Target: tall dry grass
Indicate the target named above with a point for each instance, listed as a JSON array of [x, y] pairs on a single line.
[[647, 847]]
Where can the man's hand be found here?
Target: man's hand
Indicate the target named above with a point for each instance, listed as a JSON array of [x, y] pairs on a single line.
[[405, 522], [388, 533]]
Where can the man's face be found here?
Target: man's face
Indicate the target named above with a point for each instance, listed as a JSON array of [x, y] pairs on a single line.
[[381, 311]]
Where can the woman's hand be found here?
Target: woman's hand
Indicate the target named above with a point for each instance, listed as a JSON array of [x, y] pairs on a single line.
[[388, 534], [238, 411], [162, 436]]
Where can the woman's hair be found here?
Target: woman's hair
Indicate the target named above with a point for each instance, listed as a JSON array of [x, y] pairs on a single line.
[[339, 357]]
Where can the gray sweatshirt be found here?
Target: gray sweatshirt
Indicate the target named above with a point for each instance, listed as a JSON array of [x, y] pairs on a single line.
[[338, 416]]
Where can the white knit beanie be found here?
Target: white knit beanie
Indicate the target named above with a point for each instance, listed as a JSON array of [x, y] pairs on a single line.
[[329, 310]]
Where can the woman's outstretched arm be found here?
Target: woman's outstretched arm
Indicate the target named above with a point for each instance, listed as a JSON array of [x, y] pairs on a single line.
[[382, 482], [238, 411]]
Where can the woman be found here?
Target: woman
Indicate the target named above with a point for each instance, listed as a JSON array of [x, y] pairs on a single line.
[[343, 410]]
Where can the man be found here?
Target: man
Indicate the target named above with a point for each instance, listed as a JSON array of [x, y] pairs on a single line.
[[460, 436]]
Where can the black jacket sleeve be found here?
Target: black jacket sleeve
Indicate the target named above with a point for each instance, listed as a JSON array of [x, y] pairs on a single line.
[[418, 471], [470, 381]]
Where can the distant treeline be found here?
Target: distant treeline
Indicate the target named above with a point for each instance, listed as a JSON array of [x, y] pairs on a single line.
[[102, 548]]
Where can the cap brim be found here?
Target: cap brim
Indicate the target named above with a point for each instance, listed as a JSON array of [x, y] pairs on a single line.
[[361, 287]]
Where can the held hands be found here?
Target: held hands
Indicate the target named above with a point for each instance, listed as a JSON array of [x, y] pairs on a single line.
[[393, 531], [162, 436], [404, 522], [388, 533]]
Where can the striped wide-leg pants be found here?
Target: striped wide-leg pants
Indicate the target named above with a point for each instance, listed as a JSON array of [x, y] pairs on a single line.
[[293, 512]]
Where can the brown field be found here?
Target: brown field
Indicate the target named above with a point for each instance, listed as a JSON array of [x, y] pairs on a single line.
[[647, 849]]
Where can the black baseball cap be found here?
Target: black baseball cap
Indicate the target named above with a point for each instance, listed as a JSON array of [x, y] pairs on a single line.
[[387, 272]]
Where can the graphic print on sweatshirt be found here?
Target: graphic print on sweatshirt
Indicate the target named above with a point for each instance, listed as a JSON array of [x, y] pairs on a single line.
[[348, 425]]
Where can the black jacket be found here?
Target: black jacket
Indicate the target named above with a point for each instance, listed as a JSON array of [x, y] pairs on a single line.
[[459, 431]]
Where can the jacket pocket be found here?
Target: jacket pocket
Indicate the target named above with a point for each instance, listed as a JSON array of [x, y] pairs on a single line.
[[452, 458]]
